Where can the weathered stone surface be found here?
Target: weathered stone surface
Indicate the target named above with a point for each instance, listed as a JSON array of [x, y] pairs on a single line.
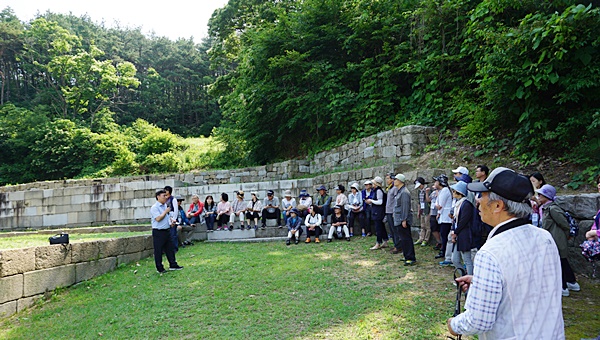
[[85, 251], [136, 244], [128, 258], [7, 309], [112, 247], [52, 256], [16, 261], [11, 288], [581, 206], [27, 302], [87, 270], [40, 281]]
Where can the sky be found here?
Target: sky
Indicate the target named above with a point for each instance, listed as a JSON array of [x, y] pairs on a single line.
[[173, 18]]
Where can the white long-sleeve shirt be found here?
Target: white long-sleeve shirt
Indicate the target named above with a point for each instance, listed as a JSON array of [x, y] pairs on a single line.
[[310, 219], [444, 200]]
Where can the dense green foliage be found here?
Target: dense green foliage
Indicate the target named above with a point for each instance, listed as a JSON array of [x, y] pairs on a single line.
[[69, 88], [303, 75]]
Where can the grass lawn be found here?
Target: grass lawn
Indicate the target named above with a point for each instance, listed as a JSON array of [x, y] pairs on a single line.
[[36, 240], [339, 290]]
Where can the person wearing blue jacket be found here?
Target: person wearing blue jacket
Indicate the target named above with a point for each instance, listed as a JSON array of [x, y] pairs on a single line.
[[294, 226]]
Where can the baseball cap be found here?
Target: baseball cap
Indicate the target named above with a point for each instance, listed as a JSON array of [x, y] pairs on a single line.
[[270, 192], [368, 182], [179, 198], [506, 183], [322, 187], [462, 170], [400, 177]]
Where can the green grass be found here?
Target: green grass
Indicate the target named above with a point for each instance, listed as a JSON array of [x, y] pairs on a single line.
[[35, 240], [339, 290]]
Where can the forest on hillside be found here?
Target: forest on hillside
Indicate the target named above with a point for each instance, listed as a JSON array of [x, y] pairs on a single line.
[[279, 79]]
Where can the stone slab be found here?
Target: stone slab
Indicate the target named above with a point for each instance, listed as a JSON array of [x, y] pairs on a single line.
[[128, 258], [87, 270], [16, 261], [27, 302], [52, 256], [40, 281], [7, 309], [231, 235], [11, 288], [85, 251]]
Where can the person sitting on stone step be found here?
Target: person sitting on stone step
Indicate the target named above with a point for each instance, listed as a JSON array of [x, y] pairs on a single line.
[[304, 202], [287, 204], [253, 210], [313, 225], [196, 208], [223, 212], [184, 228], [271, 209], [238, 208], [294, 225], [338, 225], [323, 204]]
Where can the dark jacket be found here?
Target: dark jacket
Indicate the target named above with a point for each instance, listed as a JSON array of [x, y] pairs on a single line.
[[294, 225], [464, 235], [556, 223]]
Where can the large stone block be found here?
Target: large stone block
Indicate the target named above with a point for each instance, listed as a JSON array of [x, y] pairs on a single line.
[[128, 258], [87, 270], [112, 247], [8, 309], [136, 244], [368, 152], [27, 302], [582, 207], [55, 220], [85, 251], [52, 256], [33, 194], [11, 288], [40, 281], [16, 261], [389, 151]]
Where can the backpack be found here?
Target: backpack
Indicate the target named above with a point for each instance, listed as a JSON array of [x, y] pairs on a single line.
[[573, 226], [590, 250]]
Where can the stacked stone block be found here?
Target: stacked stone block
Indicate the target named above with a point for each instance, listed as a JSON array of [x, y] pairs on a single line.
[[27, 274]]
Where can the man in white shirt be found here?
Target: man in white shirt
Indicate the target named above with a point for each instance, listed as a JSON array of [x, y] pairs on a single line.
[[515, 290], [161, 237]]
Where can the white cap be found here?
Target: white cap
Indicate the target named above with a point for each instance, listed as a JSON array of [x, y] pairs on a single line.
[[368, 182], [400, 177], [462, 170], [418, 184]]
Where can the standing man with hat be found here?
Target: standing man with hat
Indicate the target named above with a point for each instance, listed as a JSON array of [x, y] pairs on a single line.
[[367, 194], [403, 219], [323, 205], [515, 290]]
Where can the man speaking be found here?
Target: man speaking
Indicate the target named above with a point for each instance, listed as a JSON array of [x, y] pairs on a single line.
[[515, 290]]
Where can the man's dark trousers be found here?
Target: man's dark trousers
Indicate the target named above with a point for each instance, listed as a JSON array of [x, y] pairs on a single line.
[[161, 238]]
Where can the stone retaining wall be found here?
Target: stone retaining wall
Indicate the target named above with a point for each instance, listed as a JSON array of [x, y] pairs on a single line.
[[27, 274]]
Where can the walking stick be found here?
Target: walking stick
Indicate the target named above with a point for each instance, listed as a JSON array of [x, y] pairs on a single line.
[[458, 272]]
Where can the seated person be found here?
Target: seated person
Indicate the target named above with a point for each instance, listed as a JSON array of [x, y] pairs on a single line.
[[238, 208], [210, 212], [223, 212], [271, 209], [253, 210], [323, 204], [184, 228], [304, 202], [193, 213], [313, 225], [338, 224], [294, 225], [287, 204]]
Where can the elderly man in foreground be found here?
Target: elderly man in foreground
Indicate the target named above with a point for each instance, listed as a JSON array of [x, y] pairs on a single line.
[[515, 290]]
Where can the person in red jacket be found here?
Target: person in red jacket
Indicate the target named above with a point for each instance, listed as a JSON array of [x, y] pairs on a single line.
[[196, 208]]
